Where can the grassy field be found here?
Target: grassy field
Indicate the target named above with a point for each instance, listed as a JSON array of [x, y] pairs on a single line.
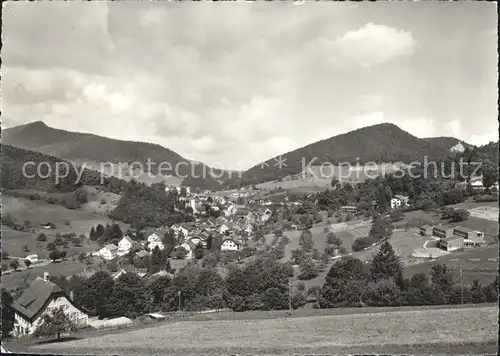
[[406, 328], [63, 268], [305, 184], [39, 212], [479, 263], [78, 221]]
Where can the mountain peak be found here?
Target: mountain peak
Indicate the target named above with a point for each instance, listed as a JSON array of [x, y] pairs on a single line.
[[35, 124]]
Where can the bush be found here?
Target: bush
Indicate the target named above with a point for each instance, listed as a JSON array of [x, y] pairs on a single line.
[[81, 196], [363, 242], [35, 196], [51, 200], [14, 264], [486, 198], [41, 237]]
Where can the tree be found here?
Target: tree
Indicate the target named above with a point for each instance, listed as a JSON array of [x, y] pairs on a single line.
[[273, 299], [41, 237], [308, 269], [27, 263], [7, 313], [332, 239], [81, 196], [385, 264], [63, 254], [442, 281], [298, 256], [56, 323], [460, 215], [363, 242], [198, 251], [54, 255], [180, 253], [14, 264], [396, 215], [77, 241], [382, 293], [477, 292], [5, 255], [304, 236], [99, 231], [93, 234], [169, 241]]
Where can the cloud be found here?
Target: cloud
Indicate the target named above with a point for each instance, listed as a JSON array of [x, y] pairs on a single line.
[[241, 83], [372, 45]]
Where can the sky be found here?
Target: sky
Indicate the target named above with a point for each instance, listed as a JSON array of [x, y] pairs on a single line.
[[234, 84]]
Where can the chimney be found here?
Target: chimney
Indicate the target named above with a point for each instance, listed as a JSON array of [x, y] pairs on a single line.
[[71, 295], [46, 276]]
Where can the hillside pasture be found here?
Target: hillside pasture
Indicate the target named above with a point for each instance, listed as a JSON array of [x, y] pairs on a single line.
[[485, 212], [478, 263], [411, 328], [62, 268], [39, 212], [488, 226], [67, 221], [126, 172], [353, 230]]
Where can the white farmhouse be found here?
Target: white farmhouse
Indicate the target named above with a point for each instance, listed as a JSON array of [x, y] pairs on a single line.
[[41, 298], [189, 246], [153, 244], [230, 210], [223, 228], [399, 201], [153, 237], [229, 245], [125, 245], [477, 183], [109, 252]]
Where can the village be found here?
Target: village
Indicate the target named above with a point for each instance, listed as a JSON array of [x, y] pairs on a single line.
[[233, 219]]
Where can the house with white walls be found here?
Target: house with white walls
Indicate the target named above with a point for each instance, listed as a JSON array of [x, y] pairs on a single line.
[[41, 298], [125, 245], [109, 252]]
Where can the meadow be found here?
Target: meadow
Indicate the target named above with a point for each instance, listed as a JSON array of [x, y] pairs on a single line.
[[78, 221], [344, 329], [478, 263]]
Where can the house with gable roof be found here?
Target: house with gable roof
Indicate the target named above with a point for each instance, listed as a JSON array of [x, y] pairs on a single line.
[[41, 298], [125, 245]]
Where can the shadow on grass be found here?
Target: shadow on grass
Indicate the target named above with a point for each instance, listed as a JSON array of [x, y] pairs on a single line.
[[62, 339]]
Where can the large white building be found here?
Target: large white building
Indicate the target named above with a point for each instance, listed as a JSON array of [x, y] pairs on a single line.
[[109, 252], [125, 245], [229, 245], [399, 201], [41, 298]]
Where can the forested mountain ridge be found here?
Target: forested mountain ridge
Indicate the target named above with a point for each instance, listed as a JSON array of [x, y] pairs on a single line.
[[378, 143]]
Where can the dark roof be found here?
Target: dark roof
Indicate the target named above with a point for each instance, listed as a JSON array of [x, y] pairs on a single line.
[[36, 298], [464, 229], [452, 238], [443, 228]]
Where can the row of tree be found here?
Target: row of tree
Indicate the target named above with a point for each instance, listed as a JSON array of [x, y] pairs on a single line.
[[352, 283]]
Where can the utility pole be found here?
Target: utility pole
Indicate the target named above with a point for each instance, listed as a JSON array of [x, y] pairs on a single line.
[[290, 295], [179, 295], [462, 285]]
